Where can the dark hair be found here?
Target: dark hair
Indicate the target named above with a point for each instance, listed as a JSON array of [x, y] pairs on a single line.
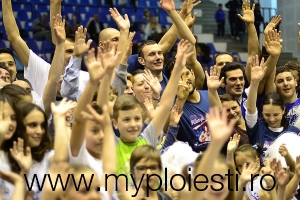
[[220, 4], [125, 102], [222, 53], [228, 97], [230, 67], [255, 151], [276, 99], [113, 90], [7, 144], [8, 51], [16, 92], [3, 66], [136, 72], [70, 38], [170, 66], [293, 65], [146, 43], [46, 144], [282, 69]]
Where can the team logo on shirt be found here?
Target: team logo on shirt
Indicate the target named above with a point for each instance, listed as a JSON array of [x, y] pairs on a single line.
[[201, 135]]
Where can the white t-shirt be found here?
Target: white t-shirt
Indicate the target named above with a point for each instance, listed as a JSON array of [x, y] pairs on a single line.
[[253, 193], [5, 187], [39, 170], [37, 73], [85, 158]]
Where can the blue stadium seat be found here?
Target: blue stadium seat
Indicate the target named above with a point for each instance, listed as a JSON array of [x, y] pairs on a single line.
[[68, 9], [143, 4], [47, 46], [31, 43], [154, 4], [2, 44], [213, 50], [40, 8], [24, 15]]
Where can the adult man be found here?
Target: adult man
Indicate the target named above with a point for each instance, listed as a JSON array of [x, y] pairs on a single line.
[[7, 58], [94, 27]]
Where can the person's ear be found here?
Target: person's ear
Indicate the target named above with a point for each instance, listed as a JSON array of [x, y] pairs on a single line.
[[115, 123], [141, 60]]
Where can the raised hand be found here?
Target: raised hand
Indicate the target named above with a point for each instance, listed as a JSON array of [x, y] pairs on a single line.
[[149, 108], [80, 46], [129, 48], [187, 6], [233, 143], [273, 43], [175, 116], [94, 66], [63, 107], [218, 124], [190, 20], [248, 12], [109, 56], [103, 118], [283, 150], [167, 5], [5, 121], [182, 90], [299, 35], [182, 55], [249, 172], [21, 156], [213, 80], [273, 23], [153, 82], [122, 23], [281, 176], [59, 29], [257, 71]]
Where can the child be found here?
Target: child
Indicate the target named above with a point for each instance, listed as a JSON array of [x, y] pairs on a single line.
[[128, 116], [274, 121]]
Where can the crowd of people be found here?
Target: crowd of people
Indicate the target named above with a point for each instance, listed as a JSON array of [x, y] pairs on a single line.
[[135, 127]]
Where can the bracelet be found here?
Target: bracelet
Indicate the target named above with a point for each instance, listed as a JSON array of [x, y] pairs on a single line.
[[158, 98]]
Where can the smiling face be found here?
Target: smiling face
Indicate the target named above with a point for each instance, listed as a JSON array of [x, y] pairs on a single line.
[[129, 123], [129, 88], [233, 110], [286, 86], [141, 89], [272, 115], [10, 63], [188, 77], [223, 59], [235, 82], [35, 127], [152, 58], [5, 76]]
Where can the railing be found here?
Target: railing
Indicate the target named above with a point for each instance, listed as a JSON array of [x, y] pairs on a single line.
[[268, 13]]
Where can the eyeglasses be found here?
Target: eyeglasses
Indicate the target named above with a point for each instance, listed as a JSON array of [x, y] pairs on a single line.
[[144, 169]]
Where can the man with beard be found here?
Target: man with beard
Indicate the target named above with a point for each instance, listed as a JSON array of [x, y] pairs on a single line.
[[194, 104]]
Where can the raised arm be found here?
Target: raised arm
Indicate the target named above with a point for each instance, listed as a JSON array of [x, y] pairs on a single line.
[[18, 182], [168, 40], [257, 74], [109, 60], [55, 9], [13, 33], [56, 69], [253, 43], [213, 83], [168, 96], [62, 131], [96, 72], [294, 183], [109, 155]]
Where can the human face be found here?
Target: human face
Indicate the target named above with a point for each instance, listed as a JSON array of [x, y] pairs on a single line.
[[242, 158], [188, 77], [24, 85], [111, 103], [146, 167], [233, 110], [35, 123], [273, 114], [69, 49], [12, 121], [82, 193], [129, 123], [141, 89], [235, 82], [5, 76], [94, 138], [10, 63], [129, 88], [286, 86], [153, 58], [112, 35], [223, 59], [211, 193]]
